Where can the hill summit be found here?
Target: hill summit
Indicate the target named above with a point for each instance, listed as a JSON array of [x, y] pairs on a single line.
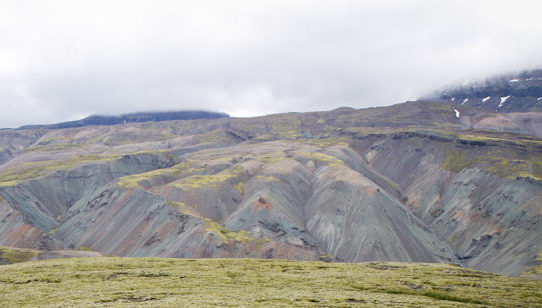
[[133, 117]]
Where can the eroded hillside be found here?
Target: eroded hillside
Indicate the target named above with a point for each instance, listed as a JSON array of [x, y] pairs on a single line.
[[411, 182]]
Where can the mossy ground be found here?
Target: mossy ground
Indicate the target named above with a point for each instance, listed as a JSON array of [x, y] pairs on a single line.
[[108, 282], [16, 255], [33, 170]]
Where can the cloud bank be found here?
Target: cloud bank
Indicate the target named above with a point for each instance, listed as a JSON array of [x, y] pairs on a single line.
[[61, 60]]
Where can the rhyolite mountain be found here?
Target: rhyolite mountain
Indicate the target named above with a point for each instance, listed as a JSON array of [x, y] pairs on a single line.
[[421, 181], [520, 92]]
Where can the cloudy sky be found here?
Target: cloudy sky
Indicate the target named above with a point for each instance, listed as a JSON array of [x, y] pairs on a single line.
[[62, 60]]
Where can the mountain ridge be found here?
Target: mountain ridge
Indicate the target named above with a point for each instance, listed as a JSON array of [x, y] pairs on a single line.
[[514, 92], [409, 182], [155, 116]]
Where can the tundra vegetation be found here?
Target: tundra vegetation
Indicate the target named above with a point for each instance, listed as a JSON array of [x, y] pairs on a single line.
[[159, 282]]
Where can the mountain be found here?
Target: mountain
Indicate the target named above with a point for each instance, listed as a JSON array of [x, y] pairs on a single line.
[[420, 181], [133, 117], [506, 93]]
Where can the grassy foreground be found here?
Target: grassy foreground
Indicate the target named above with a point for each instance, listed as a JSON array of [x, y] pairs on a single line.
[[108, 282]]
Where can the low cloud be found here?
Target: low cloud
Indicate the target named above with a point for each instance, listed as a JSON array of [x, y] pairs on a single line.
[[60, 60]]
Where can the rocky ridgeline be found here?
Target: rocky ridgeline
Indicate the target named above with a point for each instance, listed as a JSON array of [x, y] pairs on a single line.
[[508, 93], [133, 117]]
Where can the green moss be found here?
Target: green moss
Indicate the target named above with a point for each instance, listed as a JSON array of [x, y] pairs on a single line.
[[16, 255], [457, 160], [267, 178], [536, 270], [440, 108], [490, 137], [33, 170], [131, 135], [326, 142], [329, 160], [226, 235], [85, 248], [183, 169], [54, 147], [177, 204], [507, 168], [270, 157], [212, 180], [240, 187], [529, 167], [83, 282], [285, 127]]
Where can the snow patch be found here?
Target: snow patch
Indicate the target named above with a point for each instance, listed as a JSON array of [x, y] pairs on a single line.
[[539, 99], [453, 99], [485, 99], [466, 100], [514, 80], [457, 113], [503, 100]]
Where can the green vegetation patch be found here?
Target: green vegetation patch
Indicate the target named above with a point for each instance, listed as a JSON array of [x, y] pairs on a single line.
[[326, 142], [536, 270], [509, 165], [16, 255], [226, 235], [512, 168], [458, 160], [54, 147], [217, 135], [490, 136], [134, 282], [329, 160], [33, 170], [211, 180], [185, 168]]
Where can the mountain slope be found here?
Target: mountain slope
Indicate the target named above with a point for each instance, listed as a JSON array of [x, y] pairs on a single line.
[[507, 93], [410, 182]]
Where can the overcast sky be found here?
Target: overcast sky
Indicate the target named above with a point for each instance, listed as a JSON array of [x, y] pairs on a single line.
[[63, 60]]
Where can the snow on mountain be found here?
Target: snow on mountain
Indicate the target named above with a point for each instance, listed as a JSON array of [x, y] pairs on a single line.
[[521, 92]]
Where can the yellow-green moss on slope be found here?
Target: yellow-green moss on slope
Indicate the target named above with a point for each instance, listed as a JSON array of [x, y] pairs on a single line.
[[457, 160], [133, 282], [210, 180], [33, 170], [226, 235], [16, 255], [536, 270], [183, 169], [329, 160], [500, 163], [326, 142]]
